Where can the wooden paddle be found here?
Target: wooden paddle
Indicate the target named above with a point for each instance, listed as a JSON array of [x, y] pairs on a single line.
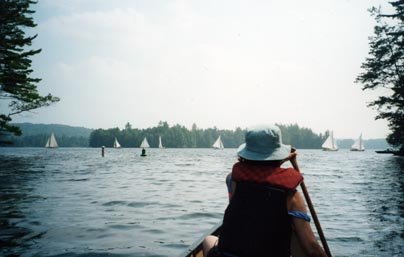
[[311, 208]]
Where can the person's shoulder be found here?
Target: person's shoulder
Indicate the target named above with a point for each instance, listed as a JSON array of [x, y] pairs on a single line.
[[290, 170], [238, 164], [290, 177]]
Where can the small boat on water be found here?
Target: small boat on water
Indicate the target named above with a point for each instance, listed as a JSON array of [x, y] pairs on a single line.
[[358, 145], [388, 151], [51, 143], [218, 144], [144, 145], [330, 144], [116, 143], [196, 250], [160, 143]]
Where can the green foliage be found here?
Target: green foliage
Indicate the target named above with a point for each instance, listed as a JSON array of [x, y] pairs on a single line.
[[301, 137], [384, 68], [18, 89], [179, 136]]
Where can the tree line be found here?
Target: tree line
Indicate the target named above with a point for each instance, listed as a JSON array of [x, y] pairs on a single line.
[[36, 135], [178, 136]]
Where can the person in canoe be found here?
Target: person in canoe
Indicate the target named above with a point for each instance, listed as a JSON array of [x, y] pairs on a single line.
[[264, 204]]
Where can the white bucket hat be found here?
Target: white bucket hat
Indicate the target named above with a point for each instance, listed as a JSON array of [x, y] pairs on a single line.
[[264, 143]]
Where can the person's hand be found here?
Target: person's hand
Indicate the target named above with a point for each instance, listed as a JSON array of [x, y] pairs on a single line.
[[291, 156]]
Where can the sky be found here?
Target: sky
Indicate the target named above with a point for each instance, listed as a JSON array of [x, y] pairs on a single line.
[[216, 63]]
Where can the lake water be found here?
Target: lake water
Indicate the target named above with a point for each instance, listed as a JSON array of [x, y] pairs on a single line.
[[73, 202]]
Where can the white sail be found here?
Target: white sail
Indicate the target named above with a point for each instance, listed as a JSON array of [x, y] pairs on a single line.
[[330, 144], [358, 145], [144, 143], [335, 142], [116, 143], [51, 143], [160, 143], [327, 143], [218, 144]]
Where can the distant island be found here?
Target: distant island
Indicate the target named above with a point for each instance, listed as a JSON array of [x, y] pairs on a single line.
[[176, 136], [36, 135]]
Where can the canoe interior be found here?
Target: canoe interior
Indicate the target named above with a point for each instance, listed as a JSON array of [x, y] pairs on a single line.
[[195, 250]]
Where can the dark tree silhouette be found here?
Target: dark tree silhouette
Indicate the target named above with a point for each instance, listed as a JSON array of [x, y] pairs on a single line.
[[384, 68], [18, 90]]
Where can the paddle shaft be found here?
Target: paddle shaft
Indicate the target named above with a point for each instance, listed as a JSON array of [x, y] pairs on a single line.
[[312, 211]]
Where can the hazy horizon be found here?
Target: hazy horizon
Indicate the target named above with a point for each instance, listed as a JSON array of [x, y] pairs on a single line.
[[226, 64]]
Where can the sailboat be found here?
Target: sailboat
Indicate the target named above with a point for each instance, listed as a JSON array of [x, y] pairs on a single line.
[[144, 145], [218, 144], [51, 143], [116, 143], [160, 144], [358, 145], [330, 144]]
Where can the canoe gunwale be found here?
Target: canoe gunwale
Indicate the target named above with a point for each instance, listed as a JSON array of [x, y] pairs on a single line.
[[197, 246], [195, 250]]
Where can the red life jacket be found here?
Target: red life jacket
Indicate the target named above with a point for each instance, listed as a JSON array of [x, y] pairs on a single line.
[[262, 173]]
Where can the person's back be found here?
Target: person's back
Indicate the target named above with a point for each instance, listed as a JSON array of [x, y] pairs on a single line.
[[256, 222]]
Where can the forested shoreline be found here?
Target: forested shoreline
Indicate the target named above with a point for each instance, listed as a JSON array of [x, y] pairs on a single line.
[[176, 136]]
